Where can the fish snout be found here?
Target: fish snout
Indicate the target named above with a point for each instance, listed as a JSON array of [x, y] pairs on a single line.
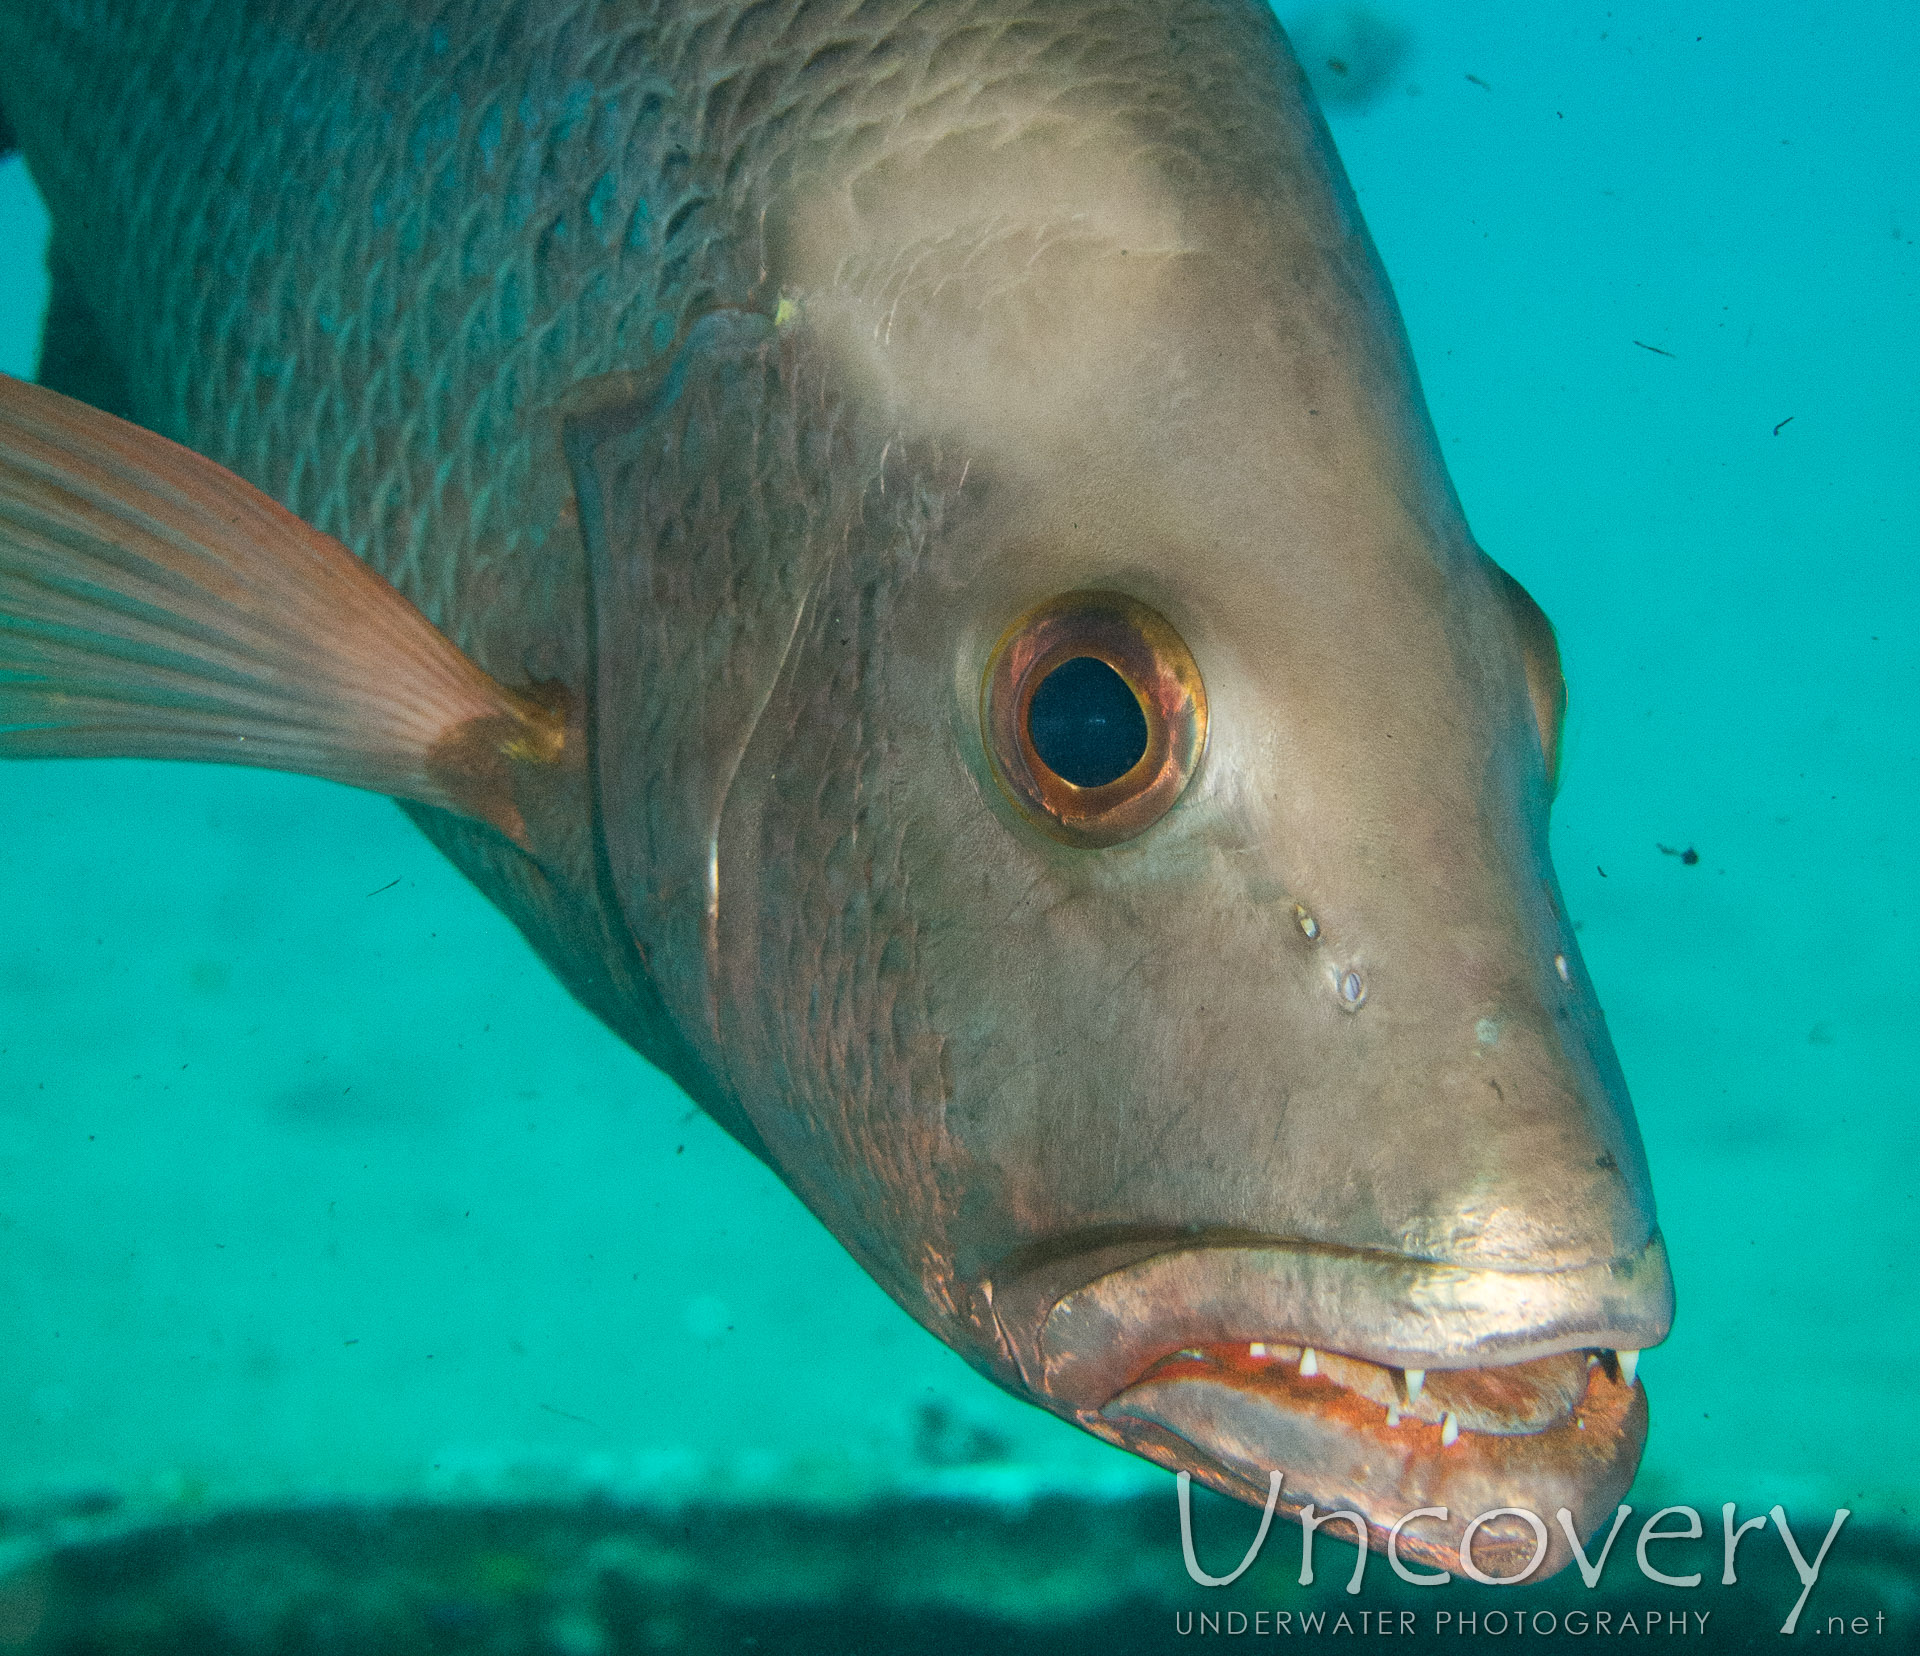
[[1464, 1105], [1508, 1143]]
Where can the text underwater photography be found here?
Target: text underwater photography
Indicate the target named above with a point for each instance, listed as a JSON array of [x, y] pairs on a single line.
[[1620, 1616]]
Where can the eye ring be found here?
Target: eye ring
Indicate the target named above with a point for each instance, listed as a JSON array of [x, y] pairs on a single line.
[[1153, 662]]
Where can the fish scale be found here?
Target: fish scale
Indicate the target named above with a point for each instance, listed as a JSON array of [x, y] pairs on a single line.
[[355, 360]]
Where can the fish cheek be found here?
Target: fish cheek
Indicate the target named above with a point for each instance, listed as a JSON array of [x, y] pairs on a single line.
[[839, 941]]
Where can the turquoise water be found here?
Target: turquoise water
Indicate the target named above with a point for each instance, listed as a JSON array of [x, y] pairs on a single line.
[[312, 1183]]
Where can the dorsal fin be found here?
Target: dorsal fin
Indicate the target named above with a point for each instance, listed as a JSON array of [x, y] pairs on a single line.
[[153, 605]]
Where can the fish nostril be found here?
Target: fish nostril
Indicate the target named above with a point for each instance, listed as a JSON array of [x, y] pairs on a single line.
[[1560, 966], [1309, 927], [1353, 990]]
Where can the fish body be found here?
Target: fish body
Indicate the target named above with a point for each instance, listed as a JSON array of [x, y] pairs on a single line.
[[772, 401]]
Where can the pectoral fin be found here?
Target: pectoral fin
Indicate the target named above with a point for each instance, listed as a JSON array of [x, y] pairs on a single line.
[[154, 606], [1546, 686]]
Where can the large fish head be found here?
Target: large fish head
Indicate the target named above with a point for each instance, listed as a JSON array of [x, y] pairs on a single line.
[[1108, 857]]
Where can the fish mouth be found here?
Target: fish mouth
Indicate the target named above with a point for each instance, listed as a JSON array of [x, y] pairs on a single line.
[[1373, 1383]]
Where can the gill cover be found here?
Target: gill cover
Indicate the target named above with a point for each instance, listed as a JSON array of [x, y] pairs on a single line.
[[748, 543], [690, 615]]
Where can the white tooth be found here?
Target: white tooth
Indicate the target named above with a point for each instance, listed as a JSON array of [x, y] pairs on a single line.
[[1309, 1364], [1449, 1429], [1629, 1362], [1393, 1414], [1416, 1380], [1257, 1349]]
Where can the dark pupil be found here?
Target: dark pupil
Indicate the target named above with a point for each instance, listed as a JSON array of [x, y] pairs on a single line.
[[1086, 724]]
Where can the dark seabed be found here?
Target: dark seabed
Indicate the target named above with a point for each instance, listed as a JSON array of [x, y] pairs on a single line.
[[1062, 1575], [359, 1292]]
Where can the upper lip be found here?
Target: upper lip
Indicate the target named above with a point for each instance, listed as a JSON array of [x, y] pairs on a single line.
[[1084, 1327]]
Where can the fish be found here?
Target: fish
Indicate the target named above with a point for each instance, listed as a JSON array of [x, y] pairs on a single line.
[[901, 543]]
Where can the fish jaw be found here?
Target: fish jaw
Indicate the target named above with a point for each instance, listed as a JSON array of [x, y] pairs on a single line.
[[1337, 1452], [1374, 1383]]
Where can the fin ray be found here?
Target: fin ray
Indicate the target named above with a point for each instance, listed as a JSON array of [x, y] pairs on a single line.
[[154, 605]]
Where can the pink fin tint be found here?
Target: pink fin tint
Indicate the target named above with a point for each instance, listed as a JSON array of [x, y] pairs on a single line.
[[155, 606]]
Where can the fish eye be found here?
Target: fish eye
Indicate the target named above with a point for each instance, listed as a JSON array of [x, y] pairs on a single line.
[[1094, 716]]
